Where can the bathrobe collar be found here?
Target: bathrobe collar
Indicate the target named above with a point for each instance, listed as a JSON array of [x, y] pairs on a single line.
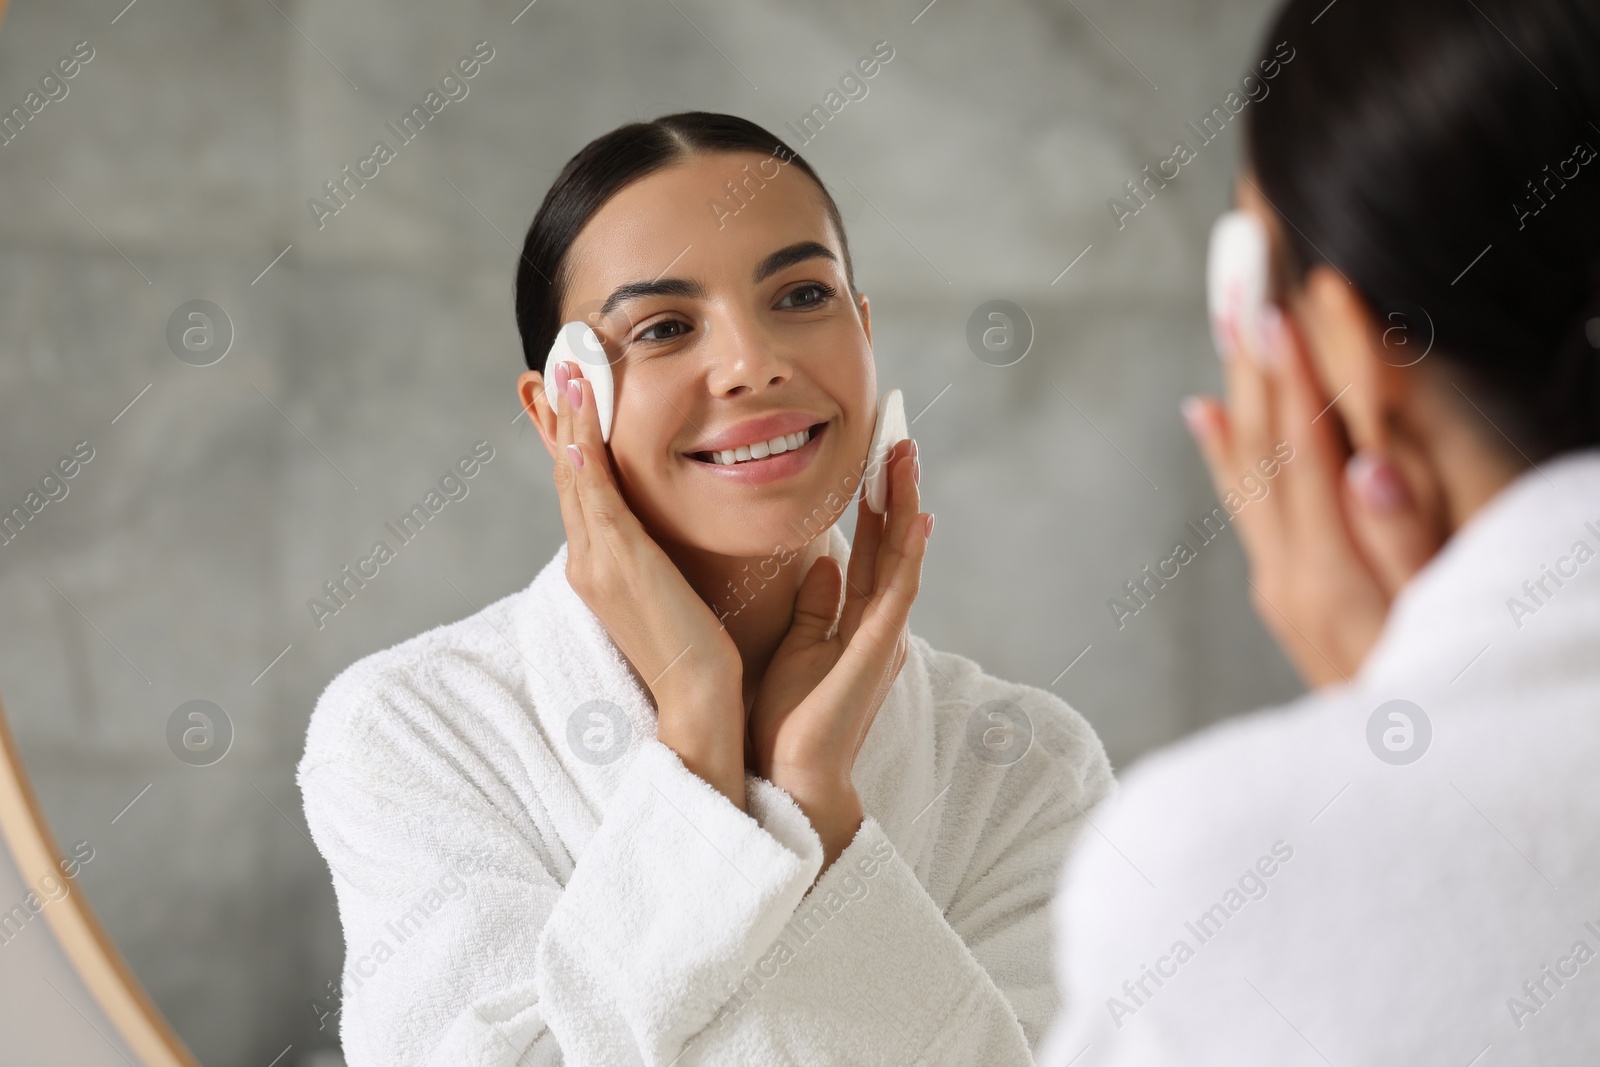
[[1468, 609]]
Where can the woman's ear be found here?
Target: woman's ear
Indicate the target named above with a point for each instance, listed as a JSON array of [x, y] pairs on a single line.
[[866, 316], [530, 389]]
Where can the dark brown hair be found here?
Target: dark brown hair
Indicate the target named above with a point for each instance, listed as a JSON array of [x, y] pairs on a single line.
[[1430, 150], [596, 174]]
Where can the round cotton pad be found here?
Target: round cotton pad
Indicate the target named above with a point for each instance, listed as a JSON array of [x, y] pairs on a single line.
[[577, 343], [1236, 276], [891, 428]]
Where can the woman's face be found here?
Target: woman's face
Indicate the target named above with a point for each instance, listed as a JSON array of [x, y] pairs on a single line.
[[727, 324]]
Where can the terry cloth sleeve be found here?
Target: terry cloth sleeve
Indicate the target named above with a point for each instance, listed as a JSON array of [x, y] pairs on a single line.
[[676, 893], [462, 947], [870, 969]]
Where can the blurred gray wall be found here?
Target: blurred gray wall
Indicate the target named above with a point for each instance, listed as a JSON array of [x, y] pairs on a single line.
[[374, 351]]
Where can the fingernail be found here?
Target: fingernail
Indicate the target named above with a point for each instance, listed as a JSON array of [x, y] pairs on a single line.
[[1193, 413], [575, 394], [561, 375], [1376, 481], [916, 470], [929, 532], [577, 455]]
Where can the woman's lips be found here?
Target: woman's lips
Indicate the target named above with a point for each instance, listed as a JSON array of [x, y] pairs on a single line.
[[770, 469]]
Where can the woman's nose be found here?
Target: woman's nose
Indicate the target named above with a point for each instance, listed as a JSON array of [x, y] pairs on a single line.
[[744, 359]]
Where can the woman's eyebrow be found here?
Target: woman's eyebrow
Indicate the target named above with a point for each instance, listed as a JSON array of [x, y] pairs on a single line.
[[661, 287], [798, 252], [788, 256]]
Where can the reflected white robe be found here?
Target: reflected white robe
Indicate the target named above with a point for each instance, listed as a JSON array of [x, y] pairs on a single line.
[[506, 901]]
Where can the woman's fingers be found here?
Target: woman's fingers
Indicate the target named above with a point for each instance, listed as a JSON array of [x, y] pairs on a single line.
[[859, 678], [1390, 528], [882, 638], [890, 613], [905, 580], [565, 474], [899, 564], [904, 499], [836, 696], [816, 605], [880, 602], [863, 562], [563, 375], [610, 521], [1245, 372], [1208, 425], [1311, 427]]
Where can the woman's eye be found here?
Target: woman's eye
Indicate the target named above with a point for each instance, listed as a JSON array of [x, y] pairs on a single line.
[[814, 293], [674, 327]]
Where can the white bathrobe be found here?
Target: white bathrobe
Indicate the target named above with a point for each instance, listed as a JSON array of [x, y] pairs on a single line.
[[510, 897], [1273, 892]]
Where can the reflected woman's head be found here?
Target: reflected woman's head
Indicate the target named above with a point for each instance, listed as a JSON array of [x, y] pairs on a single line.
[[712, 263], [1428, 170]]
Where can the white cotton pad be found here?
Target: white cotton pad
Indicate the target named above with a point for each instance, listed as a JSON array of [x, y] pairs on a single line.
[[890, 428], [577, 343], [1236, 276]]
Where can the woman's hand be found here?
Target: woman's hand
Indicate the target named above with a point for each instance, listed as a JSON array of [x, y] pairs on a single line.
[[679, 648], [833, 669], [1335, 537]]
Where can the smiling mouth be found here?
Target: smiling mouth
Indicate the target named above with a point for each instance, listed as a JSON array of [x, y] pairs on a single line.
[[760, 451]]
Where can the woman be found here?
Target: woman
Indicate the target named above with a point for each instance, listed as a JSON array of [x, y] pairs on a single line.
[[1401, 866], [696, 795]]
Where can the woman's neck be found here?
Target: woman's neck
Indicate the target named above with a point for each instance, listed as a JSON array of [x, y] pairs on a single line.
[[753, 596], [1471, 456]]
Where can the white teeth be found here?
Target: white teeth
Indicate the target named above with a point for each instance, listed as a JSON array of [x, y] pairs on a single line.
[[761, 449]]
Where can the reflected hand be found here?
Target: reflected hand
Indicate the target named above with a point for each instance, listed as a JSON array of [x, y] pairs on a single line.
[[830, 674], [669, 634]]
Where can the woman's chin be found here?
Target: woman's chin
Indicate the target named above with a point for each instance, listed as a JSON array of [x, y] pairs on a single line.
[[754, 530], [773, 536]]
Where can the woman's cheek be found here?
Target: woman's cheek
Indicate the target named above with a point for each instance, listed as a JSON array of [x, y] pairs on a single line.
[[634, 472], [649, 477], [866, 413]]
